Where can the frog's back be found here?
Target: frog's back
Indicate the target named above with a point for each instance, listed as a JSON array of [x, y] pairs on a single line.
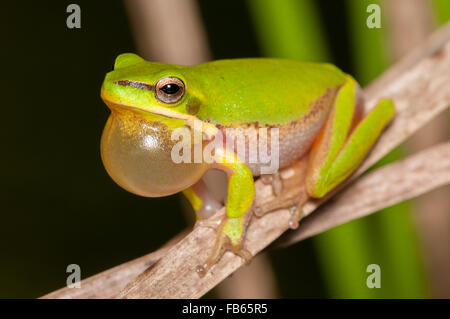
[[264, 91]]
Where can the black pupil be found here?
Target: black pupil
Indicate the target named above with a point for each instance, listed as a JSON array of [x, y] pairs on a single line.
[[170, 88]]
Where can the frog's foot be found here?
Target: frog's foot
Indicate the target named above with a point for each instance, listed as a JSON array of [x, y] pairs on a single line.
[[230, 237], [275, 180], [297, 214], [204, 222]]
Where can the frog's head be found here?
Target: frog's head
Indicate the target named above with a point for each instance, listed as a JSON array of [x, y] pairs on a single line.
[[148, 100], [153, 88]]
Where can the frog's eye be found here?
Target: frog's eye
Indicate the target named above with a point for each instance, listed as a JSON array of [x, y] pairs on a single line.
[[169, 90]]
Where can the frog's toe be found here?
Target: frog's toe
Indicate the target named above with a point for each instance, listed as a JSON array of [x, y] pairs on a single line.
[[229, 238], [297, 214], [275, 181], [219, 250], [243, 253], [214, 224]]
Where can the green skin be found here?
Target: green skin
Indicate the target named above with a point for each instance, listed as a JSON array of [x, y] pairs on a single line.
[[269, 92]]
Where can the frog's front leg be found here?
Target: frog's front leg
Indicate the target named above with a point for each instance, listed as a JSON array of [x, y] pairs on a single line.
[[241, 192], [345, 140]]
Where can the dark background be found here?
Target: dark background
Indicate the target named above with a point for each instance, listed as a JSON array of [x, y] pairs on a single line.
[[58, 205]]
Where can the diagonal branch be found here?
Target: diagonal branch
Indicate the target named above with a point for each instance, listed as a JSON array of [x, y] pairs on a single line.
[[378, 189], [418, 85]]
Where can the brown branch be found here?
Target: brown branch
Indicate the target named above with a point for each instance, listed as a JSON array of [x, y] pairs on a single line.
[[379, 189], [419, 87], [108, 283]]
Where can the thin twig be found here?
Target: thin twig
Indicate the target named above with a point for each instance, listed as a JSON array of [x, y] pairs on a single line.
[[419, 87]]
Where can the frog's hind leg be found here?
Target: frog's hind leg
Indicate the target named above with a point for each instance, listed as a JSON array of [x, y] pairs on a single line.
[[342, 144], [288, 177], [344, 140]]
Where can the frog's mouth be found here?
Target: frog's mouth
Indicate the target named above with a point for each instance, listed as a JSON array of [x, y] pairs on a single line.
[[208, 128]]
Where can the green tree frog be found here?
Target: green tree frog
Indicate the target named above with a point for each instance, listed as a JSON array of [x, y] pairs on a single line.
[[316, 109]]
